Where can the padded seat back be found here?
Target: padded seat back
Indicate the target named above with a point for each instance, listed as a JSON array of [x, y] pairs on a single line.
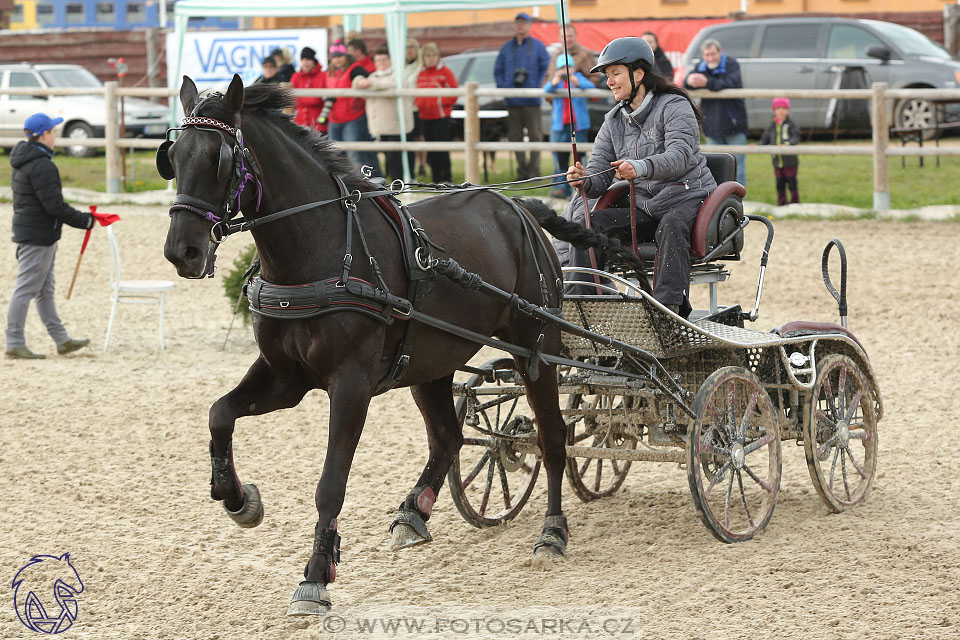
[[720, 215]]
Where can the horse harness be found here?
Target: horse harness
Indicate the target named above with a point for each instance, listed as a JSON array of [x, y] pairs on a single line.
[[238, 165]]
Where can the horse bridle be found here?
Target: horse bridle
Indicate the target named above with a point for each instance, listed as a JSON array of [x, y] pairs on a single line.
[[236, 166]]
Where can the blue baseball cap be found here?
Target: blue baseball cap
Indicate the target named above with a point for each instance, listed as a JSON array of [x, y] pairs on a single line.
[[563, 60], [524, 16], [39, 123]]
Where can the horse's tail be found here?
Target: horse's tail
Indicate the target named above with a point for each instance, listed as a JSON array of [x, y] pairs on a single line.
[[579, 236]]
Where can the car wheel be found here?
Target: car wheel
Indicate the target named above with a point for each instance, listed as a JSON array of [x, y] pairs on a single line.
[[76, 131], [914, 113]]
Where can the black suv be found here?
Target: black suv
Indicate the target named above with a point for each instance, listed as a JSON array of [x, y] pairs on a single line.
[[477, 66]]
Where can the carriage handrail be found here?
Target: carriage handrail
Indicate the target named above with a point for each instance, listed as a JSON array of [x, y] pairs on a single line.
[[841, 296], [755, 312]]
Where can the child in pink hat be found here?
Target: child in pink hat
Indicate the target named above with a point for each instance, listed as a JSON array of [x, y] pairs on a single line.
[[782, 131]]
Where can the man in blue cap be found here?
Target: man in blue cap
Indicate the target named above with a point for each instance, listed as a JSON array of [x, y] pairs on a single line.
[[522, 63], [38, 215]]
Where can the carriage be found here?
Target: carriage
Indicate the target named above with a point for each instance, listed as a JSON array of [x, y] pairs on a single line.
[[638, 382], [707, 393]]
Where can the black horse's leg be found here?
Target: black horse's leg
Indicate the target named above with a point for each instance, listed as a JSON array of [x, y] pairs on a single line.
[[435, 400], [544, 398], [349, 400], [259, 392]]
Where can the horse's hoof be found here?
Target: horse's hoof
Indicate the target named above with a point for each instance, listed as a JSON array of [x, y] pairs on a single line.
[[552, 542], [251, 513], [405, 536], [546, 551], [310, 599], [408, 529]]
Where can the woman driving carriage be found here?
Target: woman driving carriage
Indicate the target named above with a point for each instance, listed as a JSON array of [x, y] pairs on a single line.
[[653, 138]]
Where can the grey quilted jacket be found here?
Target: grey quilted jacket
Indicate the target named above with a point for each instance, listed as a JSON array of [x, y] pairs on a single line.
[[664, 134]]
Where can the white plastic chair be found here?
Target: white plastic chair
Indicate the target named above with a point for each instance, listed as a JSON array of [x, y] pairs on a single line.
[[131, 291]]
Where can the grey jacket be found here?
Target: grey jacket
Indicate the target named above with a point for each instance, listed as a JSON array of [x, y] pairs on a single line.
[[662, 138]]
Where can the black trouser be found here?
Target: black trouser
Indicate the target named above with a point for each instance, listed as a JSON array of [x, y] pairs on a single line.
[[518, 119], [786, 177], [439, 130], [395, 159], [672, 234]]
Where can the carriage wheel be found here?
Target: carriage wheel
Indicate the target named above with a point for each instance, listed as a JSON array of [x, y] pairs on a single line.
[[593, 478], [840, 433], [733, 455], [490, 480]]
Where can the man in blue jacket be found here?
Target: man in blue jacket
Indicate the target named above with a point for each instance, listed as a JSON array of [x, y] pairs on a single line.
[[724, 120], [38, 215], [522, 63]]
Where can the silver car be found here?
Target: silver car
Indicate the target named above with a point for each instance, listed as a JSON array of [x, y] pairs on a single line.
[[829, 53], [83, 116]]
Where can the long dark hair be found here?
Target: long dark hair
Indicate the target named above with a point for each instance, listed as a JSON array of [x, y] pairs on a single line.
[[655, 83]]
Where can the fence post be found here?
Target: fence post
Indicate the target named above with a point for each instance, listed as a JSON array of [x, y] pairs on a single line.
[[471, 134], [881, 137], [112, 130]]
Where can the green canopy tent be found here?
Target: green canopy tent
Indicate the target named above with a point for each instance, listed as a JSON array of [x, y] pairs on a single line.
[[394, 12]]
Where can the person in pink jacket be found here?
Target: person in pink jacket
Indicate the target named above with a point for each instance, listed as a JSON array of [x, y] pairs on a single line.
[[435, 110]]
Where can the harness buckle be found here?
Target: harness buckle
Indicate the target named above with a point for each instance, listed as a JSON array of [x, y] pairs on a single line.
[[284, 304], [218, 232], [425, 264]]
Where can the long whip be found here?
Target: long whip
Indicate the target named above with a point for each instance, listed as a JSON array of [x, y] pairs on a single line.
[[573, 141]]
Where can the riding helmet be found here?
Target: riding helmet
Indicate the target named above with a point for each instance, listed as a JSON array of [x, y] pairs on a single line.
[[628, 51]]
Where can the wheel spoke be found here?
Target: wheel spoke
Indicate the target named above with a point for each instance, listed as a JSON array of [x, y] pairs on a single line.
[[826, 446], [854, 462], [766, 486], [504, 485], [756, 444], [476, 469], [743, 499], [821, 416], [726, 503], [717, 477], [751, 406], [833, 467], [843, 472], [854, 405], [616, 468], [583, 436], [596, 483], [583, 467], [486, 490]]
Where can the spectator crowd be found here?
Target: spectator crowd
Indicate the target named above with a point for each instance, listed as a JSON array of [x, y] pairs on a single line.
[[522, 62]]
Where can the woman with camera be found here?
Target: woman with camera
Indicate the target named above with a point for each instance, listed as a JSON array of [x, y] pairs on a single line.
[[651, 137]]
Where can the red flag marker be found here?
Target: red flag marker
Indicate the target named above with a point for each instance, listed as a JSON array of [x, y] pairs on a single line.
[[105, 219]]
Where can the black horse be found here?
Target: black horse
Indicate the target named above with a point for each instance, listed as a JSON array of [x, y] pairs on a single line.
[[350, 352]]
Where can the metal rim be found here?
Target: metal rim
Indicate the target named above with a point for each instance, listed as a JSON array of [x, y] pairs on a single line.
[[840, 433], [736, 432]]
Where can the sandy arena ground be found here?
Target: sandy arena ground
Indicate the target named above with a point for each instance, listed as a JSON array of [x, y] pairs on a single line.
[[104, 455]]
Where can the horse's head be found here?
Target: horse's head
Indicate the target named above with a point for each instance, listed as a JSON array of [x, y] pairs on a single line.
[[211, 166]]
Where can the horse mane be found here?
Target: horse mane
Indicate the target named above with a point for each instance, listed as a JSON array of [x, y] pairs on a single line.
[[269, 101]]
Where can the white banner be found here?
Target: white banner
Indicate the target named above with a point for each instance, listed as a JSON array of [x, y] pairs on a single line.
[[212, 57]]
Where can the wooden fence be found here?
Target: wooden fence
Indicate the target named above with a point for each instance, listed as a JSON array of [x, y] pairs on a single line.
[[879, 95]]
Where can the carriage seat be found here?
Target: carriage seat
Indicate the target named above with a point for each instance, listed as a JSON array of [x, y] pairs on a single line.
[[720, 215]]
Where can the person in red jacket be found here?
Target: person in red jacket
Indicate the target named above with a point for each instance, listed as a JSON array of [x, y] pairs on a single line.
[[310, 76], [435, 110], [348, 117]]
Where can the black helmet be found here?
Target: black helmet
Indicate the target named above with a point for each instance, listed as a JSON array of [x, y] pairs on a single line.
[[628, 51]]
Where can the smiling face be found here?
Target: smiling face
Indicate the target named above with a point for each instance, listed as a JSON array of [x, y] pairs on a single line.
[[618, 80], [382, 61]]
